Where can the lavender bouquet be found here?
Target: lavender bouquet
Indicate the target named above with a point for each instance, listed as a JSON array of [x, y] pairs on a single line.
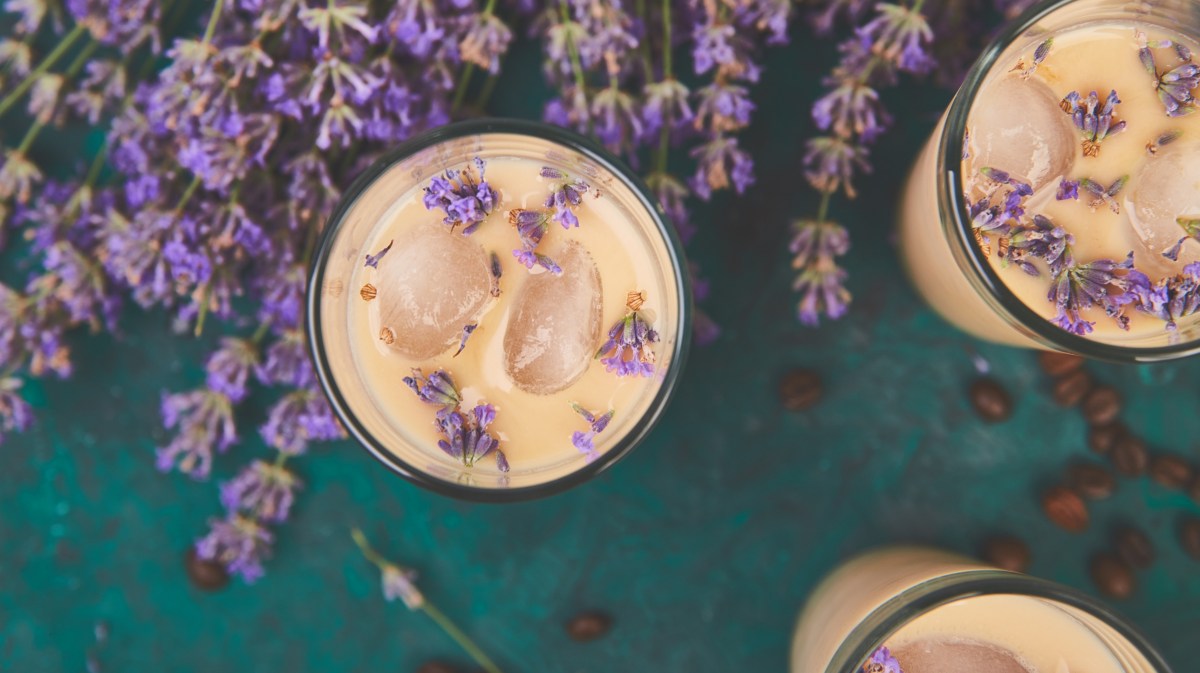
[[227, 143]]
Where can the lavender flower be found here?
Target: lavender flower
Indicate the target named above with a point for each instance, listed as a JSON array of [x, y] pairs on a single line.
[[720, 164], [466, 199], [300, 417], [1105, 195], [1170, 299], [466, 437], [265, 492], [239, 543], [204, 423], [401, 583], [666, 104], [467, 331], [1174, 85], [15, 413], [628, 348], [1039, 56], [815, 247], [1162, 141], [1067, 190], [1094, 121], [286, 362], [830, 164], [901, 36], [565, 196], [585, 441], [1041, 239], [484, 42], [1191, 229], [1077, 287], [438, 388], [881, 661], [228, 368], [373, 258]]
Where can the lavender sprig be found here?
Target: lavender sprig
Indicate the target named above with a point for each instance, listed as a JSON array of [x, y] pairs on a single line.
[[400, 582], [1094, 121], [628, 348], [585, 442], [464, 436], [1077, 287], [466, 199], [1173, 84], [565, 196], [881, 661], [815, 248], [1170, 299], [1191, 230]]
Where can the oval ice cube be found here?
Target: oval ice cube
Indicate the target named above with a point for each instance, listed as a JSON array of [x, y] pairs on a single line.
[[554, 325], [431, 284], [1164, 189], [1016, 125], [931, 655]]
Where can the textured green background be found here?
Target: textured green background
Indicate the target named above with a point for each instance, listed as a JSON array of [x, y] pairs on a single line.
[[703, 543]]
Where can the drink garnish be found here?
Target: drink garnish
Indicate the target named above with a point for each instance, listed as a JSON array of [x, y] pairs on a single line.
[[464, 435], [1173, 85], [597, 422], [881, 661], [373, 260], [1095, 121], [467, 331], [466, 199], [628, 346]]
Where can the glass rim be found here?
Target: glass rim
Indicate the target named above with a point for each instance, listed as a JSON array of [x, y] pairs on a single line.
[[954, 214], [605, 161], [887, 618]]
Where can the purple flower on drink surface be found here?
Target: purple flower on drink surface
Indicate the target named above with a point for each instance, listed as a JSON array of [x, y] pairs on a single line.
[[438, 388], [566, 194], [1174, 85], [1039, 56], [239, 543], [881, 661], [830, 163], [628, 348], [300, 417], [530, 258], [585, 442], [1095, 121], [901, 36], [720, 163], [1041, 239], [228, 368], [497, 272], [203, 420], [467, 331], [1067, 190], [15, 413], [466, 198], [1077, 287], [373, 259], [1191, 229], [485, 40], [1170, 298], [1162, 141], [815, 246], [1104, 195], [263, 491], [466, 437]]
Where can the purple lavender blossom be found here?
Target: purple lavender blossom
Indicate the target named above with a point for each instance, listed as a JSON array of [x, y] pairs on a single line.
[[239, 543], [565, 196], [126, 25], [1174, 85], [720, 164], [628, 348], [881, 661], [1191, 229], [373, 258], [901, 36], [15, 413], [203, 420], [1067, 190], [723, 107], [1077, 287], [467, 331], [286, 362], [820, 282], [300, 417], [585, 442], [263, 491], [666, 104], [1170, 298], [438, 388], [830, 164], [1104, 195], [485, 40], [466, 437], [1041, 239], [228, 368], [1095, 121], [466, 199], [401, 583]]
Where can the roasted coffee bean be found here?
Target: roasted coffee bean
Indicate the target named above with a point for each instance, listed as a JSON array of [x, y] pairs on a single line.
[[990, 400], [1194, 490], [1171, 471], [1090, 480], [437, 667], [800, 389], [1102, 437], [1113, 577], [1059, 364], [1065, 509], [1101, 405], [1070, 389], [205, 575], [1129, 456], [1007, 553], [1134, 547], [589, 625], [1189, 536]]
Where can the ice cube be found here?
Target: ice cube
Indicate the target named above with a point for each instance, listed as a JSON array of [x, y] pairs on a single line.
[[1165, 188], [432, 283], [931, 655], [554, 328], [1016, 125]]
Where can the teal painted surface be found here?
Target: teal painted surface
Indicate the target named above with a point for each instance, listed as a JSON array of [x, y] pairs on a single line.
[[703, 544]]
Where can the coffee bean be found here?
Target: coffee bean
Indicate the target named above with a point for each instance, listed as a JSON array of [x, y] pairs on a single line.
[[800, 389], [1090, 480], [1189, 536], [1129, 456], [1194, 490], [437, 667], [1065, 509], [589, 625], [1113, 577], [205, 575], [1171, 471], [1102, 437], [990, 400], [1070, 389], [1101, 405], [1134, 547], [1007, 553], [1059, 364]]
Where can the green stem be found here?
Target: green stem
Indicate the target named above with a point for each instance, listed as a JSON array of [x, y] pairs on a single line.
[[212, 22], [367, 550], [261, 332], [93, 173], [187, 196], [485, 94], [67, 42], [666, 19], [203, 312], [644, 47], [460, 92], [572, 49], [460, 637], [30, 136], [81, 59], [823, 209]]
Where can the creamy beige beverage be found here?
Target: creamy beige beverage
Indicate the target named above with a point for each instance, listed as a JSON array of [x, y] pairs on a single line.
[[1079, 149], [503, 311], [981, 632]]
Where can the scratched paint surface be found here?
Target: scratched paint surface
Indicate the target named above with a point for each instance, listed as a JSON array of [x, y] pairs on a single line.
[[703, 544]]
